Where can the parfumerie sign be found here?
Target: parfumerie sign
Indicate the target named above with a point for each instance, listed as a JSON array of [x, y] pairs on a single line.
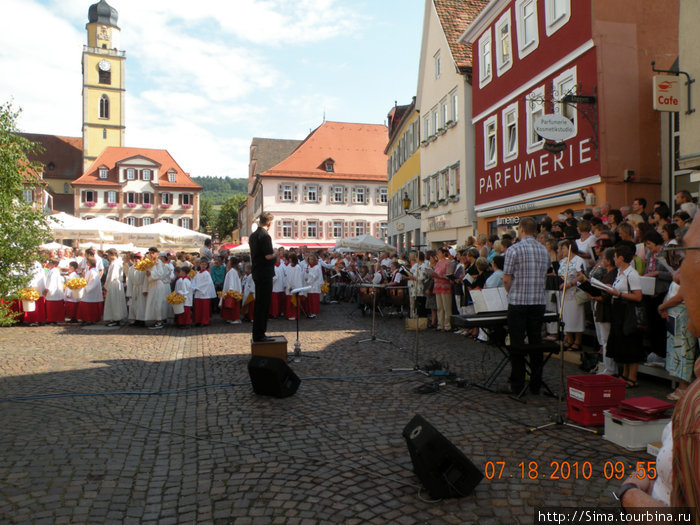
[[667, 93], [554, 127]]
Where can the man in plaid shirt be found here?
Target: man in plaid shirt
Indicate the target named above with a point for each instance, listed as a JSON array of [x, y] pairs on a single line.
[[525, 271]]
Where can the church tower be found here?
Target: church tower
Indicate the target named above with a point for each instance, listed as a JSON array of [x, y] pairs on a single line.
[[103, 83]]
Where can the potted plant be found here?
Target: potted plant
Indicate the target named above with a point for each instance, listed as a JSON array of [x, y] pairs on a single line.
[[147, 205], [131, 204], [89, 204], [187, 206], [112, 204], [165, 206]]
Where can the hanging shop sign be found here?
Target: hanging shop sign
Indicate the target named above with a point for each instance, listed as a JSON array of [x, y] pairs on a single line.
[[556, 128], [667, 93]]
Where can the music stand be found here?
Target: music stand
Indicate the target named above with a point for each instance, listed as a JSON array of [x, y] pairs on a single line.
[[373, 338], [297, 345], [559, 418], [415, 343]]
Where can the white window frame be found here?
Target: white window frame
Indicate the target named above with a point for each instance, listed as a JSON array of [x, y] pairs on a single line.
[[383, 230], [312, 190], [443, 182], [146, 175], [426, 192], [485, 59], [131, 221], [187, 199], [435, 117], [554, 20], [28, 196], [509, 123], [356, 192], [111, 197], [145, 221], [444, 113], [559, 84], [534, 111], [147, 198], [103, 173], [525, 47], [338, 194], [337, 229], [426, 127], [172, 176], [185, 222], [312, 223], [130, 174], [453, 188], [288, 225], [360, 227], [503, 64], [130, 197], [166, 198], [454, 106], [287, 189], [433, 188], [438, 64], [93, 193], [491, 142], [383, 195]]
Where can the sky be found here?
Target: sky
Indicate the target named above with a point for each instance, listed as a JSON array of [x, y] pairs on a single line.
[[203, 78]]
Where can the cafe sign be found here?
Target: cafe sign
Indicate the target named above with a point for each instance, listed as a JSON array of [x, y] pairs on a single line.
[[667, 93]]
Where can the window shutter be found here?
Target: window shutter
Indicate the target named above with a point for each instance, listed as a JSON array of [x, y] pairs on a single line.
[[304, 195], [296, 193], [302, 233], [279, 191], [375, 229], [278, 229], [319, 193], [346, 228], [345, 194], [295, 229], [367, 194]]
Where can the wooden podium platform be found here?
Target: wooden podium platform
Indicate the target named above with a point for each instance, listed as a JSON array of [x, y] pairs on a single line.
[[276, 348]]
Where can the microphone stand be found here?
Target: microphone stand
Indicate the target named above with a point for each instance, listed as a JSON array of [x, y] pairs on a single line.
[[297, 344], [559, 418]]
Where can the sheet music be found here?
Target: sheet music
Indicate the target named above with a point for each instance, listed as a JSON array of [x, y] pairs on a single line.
[[495, 299], [479, 301], [601, 285], [470, 278], [648, 285]]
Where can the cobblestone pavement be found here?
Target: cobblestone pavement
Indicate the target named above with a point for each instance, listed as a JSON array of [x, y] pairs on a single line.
[[217, 453]]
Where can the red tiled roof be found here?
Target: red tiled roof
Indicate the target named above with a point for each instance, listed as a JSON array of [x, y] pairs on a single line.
[[268, 152], [455, 16], [112, 156], [356, 149], [62, 156]]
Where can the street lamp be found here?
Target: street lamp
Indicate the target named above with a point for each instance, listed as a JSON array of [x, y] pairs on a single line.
[[406, 203]]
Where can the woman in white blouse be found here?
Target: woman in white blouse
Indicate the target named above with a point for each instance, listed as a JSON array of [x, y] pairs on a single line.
[[571, 272], [625, 348]]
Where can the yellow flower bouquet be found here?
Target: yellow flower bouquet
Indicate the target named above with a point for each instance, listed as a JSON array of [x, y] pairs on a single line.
[[325, 287], [76, 283], [192, 274], [29, 297], [177, 301], [237, 296], [144, 265]]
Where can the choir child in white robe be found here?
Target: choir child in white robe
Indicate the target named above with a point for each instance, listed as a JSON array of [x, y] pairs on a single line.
[[91, 305], [314, 278], [203, 292], [156, 291], [70, 302], [295, 279], [248, 301], [55, 311], [230, 307], [183, 286], [38, 282], [137, 286], [279, 297], [115, 300]]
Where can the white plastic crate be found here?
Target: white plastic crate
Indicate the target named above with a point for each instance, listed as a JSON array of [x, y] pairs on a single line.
[[632, 435]]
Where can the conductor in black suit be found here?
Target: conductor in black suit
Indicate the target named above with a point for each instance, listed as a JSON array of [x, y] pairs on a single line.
[[262, 258]]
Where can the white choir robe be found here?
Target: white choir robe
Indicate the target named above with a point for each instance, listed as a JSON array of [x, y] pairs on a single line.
[[137, 284], [279, 281], [115, 300], [157, 293], [38, 281], [184, 288], [68, 293], [295, 278], [231, 282], [314, 278], [92, 293], [54, 285], [248, 289], [203, 286]]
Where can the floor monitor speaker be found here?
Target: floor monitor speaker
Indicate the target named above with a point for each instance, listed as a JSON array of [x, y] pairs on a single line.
[[442, 468], [272, 377]]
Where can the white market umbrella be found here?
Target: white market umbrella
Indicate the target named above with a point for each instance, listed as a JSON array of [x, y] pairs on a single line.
[[168, 236], [364, 243], [51, 246], [245, 247]]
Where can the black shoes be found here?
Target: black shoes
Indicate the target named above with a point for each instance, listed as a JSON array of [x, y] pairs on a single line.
[[264, 339]]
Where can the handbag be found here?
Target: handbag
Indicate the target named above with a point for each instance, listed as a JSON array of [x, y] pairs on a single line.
[[636, 319], [580, 296]]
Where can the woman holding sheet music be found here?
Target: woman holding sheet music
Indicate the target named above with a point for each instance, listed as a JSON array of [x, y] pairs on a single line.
[[571, 273], [626, 349]]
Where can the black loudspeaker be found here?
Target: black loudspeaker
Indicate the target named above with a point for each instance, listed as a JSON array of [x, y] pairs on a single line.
[[442, 468], [272, 377]]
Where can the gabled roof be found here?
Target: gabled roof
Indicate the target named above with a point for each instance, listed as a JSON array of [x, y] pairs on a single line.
[[357, 151], [455, 16], [268, 152], [396, 115], [62, 157], [112, 156]]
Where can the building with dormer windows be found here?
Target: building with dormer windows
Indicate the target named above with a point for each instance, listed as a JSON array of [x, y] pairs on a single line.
[[138, 186], [332, 185]]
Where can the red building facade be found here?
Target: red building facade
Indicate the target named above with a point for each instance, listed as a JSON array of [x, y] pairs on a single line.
[[586, 60]]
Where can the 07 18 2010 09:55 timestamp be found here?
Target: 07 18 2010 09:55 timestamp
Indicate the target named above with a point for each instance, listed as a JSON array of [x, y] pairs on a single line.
[[568, 470]]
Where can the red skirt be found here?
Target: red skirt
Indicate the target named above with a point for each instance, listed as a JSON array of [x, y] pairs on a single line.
[[250, 314], [55, 311], [71, 309], [202, 311], [231, 314], [278, 305], [184, 319], [39, 314], [290, 309], [90, 312], [313, 304]]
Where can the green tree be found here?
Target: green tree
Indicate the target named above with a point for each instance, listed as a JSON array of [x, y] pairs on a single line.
[[22, 224], [207, 215], [227, 221]]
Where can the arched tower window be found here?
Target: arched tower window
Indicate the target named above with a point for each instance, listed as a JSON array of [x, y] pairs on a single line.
[[104, 106]]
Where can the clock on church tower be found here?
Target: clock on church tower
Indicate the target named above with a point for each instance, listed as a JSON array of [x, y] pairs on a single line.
[[103, 83]]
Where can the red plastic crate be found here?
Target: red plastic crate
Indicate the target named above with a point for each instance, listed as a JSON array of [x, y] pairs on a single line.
[[586, 416], [598, 390]]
